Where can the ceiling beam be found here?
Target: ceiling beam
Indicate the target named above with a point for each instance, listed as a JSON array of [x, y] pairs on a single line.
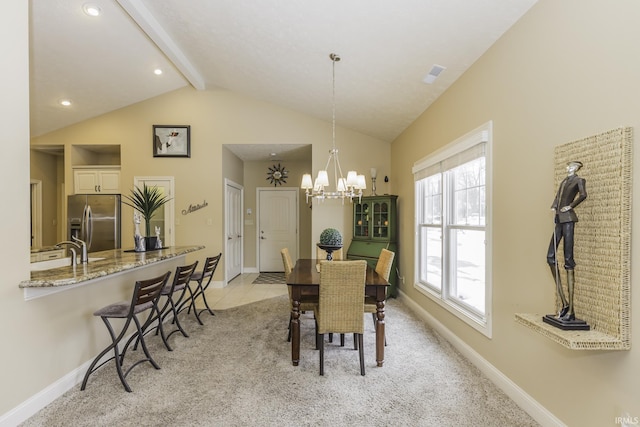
[[152, 28]]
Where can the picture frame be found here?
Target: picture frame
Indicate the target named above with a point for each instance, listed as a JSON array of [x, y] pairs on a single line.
[[171, 141]]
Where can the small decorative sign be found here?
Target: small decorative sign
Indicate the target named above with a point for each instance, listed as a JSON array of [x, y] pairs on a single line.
[[193, 208]]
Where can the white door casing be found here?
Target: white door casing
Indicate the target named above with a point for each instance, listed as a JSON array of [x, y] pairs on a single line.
[[234, 229], [277, 226], [167, 185]]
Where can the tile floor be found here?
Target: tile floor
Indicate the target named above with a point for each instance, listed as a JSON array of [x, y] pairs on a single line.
[[241, 291]]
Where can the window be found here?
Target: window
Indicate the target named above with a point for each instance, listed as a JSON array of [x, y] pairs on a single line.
[[452, 189]]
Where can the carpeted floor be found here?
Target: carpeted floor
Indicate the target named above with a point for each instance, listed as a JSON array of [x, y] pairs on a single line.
[[236, 371], [270, 279]]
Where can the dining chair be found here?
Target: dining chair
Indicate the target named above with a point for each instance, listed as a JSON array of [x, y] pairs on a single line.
[[383, 268], [321, 254], [341, 303], [307, 303], [145, 297], [206, 274]]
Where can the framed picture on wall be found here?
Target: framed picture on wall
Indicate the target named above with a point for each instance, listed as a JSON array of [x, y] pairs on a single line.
[[171, 141]]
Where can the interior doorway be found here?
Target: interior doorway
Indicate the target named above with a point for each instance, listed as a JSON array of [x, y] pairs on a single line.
[[277, 226], [234, 229], [36, 213]]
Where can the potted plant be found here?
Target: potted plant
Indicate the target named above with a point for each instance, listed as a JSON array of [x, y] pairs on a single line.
[[330, 240], [146, 200]]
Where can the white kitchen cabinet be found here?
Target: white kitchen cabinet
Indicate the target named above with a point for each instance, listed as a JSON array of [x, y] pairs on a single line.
[[96, 181], [47, 255]]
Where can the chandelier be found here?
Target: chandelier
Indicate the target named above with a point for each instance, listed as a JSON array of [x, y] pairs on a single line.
[[344, 188]]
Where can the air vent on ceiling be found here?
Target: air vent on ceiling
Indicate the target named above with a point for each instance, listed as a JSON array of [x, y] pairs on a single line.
[[434, 73]]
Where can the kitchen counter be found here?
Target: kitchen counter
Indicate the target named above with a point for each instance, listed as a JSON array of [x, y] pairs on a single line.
[[108, 263]]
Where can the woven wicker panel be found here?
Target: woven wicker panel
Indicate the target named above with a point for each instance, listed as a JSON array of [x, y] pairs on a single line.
[[341, 306], [603, 233]]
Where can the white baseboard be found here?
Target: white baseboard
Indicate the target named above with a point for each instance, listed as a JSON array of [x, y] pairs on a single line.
[[44, 397], [511, 389]]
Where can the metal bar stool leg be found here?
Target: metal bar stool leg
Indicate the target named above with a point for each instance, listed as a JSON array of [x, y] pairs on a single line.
[[145, 297]]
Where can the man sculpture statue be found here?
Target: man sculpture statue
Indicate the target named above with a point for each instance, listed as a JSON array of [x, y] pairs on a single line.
[[571, 193]]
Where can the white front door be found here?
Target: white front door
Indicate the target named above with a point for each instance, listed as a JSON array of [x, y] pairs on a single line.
[[277, 226], [164, 218], [234, 229]]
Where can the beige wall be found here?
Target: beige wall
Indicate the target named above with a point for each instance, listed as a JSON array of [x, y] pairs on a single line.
[[569, 69], [218, 118], [61, 326]]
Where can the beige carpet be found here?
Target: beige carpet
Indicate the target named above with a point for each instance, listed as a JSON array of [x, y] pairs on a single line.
[[236, 371]]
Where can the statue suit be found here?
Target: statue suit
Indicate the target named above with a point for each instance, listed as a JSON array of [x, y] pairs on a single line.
[[571, 193]]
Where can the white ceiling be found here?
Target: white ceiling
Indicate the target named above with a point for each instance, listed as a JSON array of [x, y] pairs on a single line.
[[272, 50]]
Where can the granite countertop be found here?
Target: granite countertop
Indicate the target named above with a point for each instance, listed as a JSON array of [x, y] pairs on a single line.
[[114, 261]]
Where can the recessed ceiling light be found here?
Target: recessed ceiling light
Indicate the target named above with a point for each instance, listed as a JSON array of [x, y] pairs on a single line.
[[65, 102], [91, 9], [157, 71]]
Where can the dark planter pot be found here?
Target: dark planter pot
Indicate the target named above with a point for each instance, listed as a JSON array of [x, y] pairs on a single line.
[[150, 243]]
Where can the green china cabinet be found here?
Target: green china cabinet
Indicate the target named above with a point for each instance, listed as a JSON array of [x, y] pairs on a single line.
[[375, 226]]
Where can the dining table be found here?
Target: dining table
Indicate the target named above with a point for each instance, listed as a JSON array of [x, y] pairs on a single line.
[[304, 281]]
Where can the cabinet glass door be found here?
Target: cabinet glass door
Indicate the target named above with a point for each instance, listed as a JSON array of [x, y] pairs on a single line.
[[361, 220], [380, 220]]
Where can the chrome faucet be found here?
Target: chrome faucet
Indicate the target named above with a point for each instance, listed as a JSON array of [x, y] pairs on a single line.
[[73, 247], [84, 258]]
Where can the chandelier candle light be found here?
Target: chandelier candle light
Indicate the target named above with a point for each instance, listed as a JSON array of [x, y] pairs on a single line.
[[348, 188]]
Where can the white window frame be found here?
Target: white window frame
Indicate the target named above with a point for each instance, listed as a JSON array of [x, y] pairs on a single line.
[[482, 322]]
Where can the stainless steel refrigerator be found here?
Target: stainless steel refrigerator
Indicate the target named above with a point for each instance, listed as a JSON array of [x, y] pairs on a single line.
[[95, 218]]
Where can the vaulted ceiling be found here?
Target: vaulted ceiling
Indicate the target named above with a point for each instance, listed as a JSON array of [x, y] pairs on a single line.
[[273, 50]]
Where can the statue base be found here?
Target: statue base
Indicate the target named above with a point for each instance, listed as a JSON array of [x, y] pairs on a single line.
[[566, 325]]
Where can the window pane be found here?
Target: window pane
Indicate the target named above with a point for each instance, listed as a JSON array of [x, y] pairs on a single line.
[[468, 187], [468, 257], [431, 256], [432, 199]]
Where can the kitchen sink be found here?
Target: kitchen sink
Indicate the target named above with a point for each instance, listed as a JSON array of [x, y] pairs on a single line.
[[55, 263]]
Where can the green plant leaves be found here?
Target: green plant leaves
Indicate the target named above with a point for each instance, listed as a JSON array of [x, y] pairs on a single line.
[[146, 200]]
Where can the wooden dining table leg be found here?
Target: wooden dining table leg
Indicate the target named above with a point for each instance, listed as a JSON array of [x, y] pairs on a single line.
[[380, 332], [295, 332]]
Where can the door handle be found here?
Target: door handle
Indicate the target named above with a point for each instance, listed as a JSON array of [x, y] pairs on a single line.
[[263, 238], [228, 237], [239, 236]]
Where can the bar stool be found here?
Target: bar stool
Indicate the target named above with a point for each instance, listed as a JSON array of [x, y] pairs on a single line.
[[180, 282], [145, 297], [210, 265]]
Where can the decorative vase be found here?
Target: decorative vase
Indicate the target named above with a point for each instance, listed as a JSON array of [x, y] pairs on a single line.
[[329, 250], [150, 242]]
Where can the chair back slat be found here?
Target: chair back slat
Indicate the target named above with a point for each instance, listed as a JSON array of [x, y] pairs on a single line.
[[341, 301], [148, 290], [210, 265], [286, 262], [183, 275], [385, 262]]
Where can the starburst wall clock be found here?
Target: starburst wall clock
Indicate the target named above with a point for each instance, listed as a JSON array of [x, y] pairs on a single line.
[[277, 174]]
